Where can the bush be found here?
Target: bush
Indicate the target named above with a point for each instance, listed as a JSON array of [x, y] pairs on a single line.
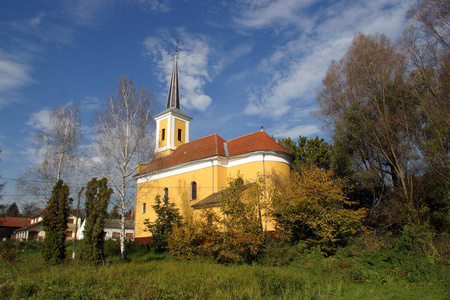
[[184, 241], [112, 248], [312, 207]]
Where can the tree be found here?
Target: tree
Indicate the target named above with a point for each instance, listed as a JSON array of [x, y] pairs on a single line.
[[58, 145], [55, 224], [123, 140], [29, 209], [114, 214], [96, 205], [308, 152], [426, 44], [167, 217], [13, 211], [243, 236], [365, 100], [311, 206]]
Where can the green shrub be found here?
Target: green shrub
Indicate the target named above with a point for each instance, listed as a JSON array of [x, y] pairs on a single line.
[[112, 248]]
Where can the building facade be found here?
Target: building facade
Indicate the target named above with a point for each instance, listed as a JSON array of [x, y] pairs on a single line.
[[34, 231], [189, 173]]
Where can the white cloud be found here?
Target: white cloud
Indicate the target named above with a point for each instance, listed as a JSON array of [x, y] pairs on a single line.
[[295, 132], [13, 74], [295, 69], [32, 156], [259, 14], [194, 65], [40, 120]]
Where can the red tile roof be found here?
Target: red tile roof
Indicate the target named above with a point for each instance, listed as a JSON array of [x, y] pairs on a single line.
[[256, 141], [213, 145], [14, 222]]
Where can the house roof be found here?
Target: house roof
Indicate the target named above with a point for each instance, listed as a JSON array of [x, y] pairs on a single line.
[[26, 227], [214, 145], [41, 212], [213, 200], [114, 223], [14, 222]]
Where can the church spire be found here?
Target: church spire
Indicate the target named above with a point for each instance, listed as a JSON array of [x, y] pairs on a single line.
[[172, 125], [173, 101]]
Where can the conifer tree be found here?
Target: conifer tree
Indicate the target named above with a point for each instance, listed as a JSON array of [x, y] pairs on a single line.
[[55, 224], [13, 210], [97, 199], [168, 216]]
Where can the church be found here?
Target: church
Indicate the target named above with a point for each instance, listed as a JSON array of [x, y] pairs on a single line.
[[192, 174]]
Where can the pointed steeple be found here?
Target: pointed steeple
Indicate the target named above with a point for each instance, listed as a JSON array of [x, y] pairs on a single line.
[[173, 101], [172, 125]]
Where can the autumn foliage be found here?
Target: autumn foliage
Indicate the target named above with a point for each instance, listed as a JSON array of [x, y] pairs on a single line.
[[312, 207]]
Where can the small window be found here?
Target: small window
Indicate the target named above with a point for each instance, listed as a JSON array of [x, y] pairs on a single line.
[[163, 134], [69, 234], [193, 190], [143, 208], [180, 135], [70, 221], [129, 236], [116, 235]]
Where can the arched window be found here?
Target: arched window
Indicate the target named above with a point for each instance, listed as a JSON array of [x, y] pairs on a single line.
[[165, 196], [193, 190]]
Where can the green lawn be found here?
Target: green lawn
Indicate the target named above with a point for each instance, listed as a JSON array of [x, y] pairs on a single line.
[[347, 275]]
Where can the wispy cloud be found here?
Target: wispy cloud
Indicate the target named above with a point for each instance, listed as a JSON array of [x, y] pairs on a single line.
[[152, 5], [13, 74], [295, 132], [294, 69], [260, 13]]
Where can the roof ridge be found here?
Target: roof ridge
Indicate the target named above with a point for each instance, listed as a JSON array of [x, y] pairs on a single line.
[[247, 135]]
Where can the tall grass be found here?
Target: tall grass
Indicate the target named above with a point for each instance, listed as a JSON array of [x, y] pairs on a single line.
[[355, 272]]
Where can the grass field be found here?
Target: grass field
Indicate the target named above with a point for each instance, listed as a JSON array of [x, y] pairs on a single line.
[[350, 274]]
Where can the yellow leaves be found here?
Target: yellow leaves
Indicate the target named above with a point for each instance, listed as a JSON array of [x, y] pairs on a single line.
[[312, 205]]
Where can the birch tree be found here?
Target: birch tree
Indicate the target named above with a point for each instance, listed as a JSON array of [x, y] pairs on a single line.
[[123, 140], [58, 146]]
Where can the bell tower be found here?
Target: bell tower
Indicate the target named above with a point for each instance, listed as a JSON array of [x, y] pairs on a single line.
[[172, 125]]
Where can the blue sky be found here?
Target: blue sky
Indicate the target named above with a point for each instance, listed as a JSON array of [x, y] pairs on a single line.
[[241, 63]]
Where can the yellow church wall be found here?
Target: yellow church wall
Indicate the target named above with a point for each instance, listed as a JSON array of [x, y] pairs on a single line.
[[180, 125], [179, 188], [251, 171], [221, 176], [163, 126]]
